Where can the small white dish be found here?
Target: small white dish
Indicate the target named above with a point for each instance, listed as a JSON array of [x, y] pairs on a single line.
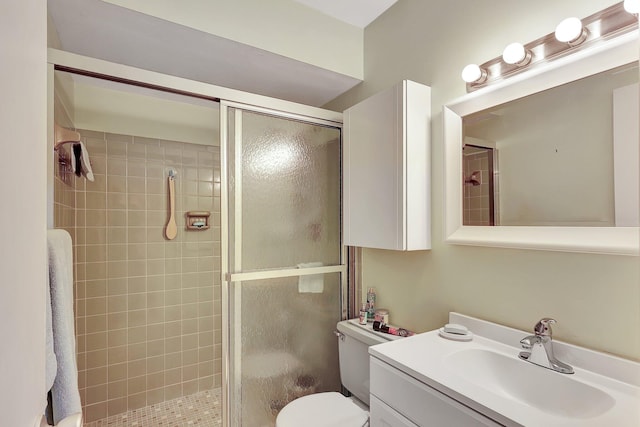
[[468, 336]]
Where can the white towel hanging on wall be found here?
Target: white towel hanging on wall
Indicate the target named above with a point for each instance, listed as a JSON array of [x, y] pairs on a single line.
[[65, 396], [312, 283], [85, 163]]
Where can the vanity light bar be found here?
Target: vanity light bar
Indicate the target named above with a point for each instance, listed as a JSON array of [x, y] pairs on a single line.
[[570, 36]]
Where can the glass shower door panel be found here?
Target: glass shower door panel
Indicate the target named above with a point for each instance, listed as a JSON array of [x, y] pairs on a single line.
[[288, 346], [283, 212], [290, 174]]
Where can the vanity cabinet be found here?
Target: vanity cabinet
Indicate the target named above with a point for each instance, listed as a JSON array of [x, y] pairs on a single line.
[[386, 169], [399, 400]]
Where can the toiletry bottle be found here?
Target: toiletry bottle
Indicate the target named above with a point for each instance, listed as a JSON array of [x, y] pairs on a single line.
[[363, 315], [371, 301]]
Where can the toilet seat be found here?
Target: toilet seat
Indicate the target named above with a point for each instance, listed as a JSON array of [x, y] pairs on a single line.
[[329, 409]]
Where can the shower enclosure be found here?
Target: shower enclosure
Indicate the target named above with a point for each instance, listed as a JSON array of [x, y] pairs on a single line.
[[285, 260], [147, 309], [240, 313]]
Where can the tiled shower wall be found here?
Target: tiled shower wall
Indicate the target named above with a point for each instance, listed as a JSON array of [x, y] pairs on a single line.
[[148, 316], [476, 209]]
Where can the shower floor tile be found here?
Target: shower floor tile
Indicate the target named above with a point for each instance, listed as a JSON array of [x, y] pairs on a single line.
[[201, 409]]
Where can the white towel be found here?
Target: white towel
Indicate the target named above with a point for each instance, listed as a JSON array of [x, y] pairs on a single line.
[[65, 397], [86, 163], [312, 283], [51, 364]]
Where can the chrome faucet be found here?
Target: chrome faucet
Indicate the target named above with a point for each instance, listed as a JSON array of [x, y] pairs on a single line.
[[540, 348]]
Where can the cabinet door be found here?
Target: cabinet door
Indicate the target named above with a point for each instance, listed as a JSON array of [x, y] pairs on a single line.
[[372, 174], [382, 415], [423, 405], [386, 159]]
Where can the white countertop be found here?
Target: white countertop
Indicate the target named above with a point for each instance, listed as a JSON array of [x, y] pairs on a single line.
[[427, 358]]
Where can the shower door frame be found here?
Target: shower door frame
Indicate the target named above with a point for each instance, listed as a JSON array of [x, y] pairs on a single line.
[[88, 66], [237, 276]]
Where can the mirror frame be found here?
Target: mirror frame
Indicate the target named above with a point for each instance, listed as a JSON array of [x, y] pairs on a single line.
[[602, 56]]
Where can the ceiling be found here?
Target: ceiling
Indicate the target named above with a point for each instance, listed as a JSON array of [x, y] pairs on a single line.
[[355, 12], [106, 31]]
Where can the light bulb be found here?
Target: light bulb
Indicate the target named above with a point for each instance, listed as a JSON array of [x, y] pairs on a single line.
[[472, 73], [516, 54], [632, 6], [570, 31]]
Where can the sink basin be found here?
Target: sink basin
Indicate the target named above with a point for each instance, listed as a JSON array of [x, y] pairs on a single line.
[[544, 389]]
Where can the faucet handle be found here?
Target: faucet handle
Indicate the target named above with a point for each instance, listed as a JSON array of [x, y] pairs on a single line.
[[543, 327]]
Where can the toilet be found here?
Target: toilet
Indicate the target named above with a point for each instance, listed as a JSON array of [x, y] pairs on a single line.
[[331, 409]]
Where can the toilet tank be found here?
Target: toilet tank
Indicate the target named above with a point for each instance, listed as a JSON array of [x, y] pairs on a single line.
[[353, 350]]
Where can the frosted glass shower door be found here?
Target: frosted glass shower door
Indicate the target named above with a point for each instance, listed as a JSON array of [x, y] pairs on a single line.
[[285, 268]]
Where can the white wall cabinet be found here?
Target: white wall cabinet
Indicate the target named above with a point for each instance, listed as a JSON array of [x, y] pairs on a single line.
[[386, 175]]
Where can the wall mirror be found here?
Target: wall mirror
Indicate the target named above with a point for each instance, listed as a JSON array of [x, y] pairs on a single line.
[[548, 159]]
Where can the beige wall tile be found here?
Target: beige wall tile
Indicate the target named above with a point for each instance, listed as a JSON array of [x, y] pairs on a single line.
[[96, 376], [116, 184], [96, 218], [190, 387], [156, 315], [116, 235], [137, 334], [137, 318], [137, 384], [137, 169], [173, 376], [117, 389], [137, 351], [173, 345], [116, 304], [173, 391], [137, 301], [137, 401], [155, 331], [155, 364], [137, 284], [117, 372], [96, 394], [190, 357], [189, 372], [116, 286], [96, 200], [155, 251], [137, 368], [205, 369], [96, 323], [94, 288], [156, 395], [117, 406], [95, 411], [116, 201], [206, 383], [117, 337], [116, 355]]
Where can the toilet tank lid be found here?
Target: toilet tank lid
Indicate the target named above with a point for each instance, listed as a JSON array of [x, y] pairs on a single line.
[[329, 409], [364, 333]]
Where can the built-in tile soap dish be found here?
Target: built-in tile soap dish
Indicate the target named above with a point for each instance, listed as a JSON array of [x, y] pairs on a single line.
[[198, 220], [452, 331]]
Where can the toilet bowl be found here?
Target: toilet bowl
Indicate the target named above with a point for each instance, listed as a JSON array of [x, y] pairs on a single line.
[[332, 409]]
